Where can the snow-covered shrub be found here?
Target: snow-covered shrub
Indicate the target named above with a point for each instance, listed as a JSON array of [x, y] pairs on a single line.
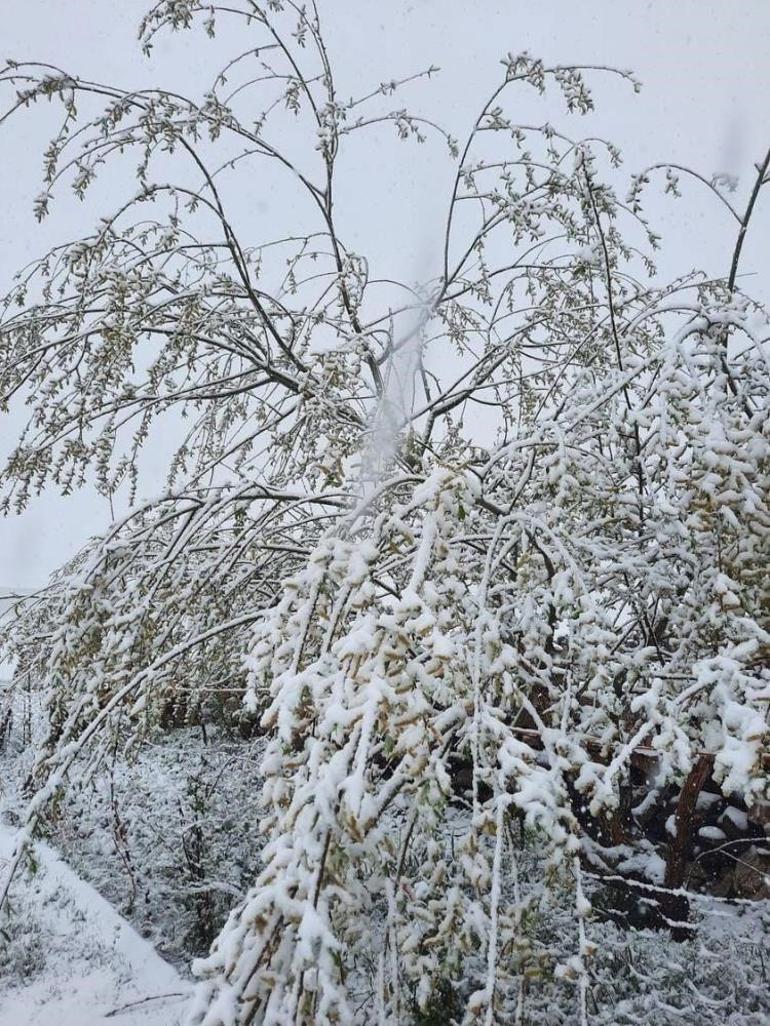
[[167, 837], [22, 944], [488, 654]]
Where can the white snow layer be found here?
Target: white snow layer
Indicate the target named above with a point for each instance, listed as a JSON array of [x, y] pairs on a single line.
[[97, 970]]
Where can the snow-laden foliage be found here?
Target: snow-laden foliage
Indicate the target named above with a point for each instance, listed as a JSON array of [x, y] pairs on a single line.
[[485, 551]]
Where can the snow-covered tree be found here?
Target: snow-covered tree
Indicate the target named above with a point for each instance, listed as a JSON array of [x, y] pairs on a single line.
[[484, 558]]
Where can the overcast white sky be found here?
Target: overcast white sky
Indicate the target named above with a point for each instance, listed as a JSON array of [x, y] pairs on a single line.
[[704, 66]]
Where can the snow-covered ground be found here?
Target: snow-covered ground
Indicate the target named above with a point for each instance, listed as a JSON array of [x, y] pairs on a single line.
[[93, 967]]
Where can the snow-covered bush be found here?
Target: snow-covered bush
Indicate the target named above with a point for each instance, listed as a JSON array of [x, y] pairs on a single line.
[[167, 837], [22, 951], [487, 653]]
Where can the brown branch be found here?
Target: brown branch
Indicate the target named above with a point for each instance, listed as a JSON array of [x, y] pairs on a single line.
[[685, 809]]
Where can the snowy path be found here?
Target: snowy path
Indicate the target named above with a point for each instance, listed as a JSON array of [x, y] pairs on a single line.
[[94, 961]]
